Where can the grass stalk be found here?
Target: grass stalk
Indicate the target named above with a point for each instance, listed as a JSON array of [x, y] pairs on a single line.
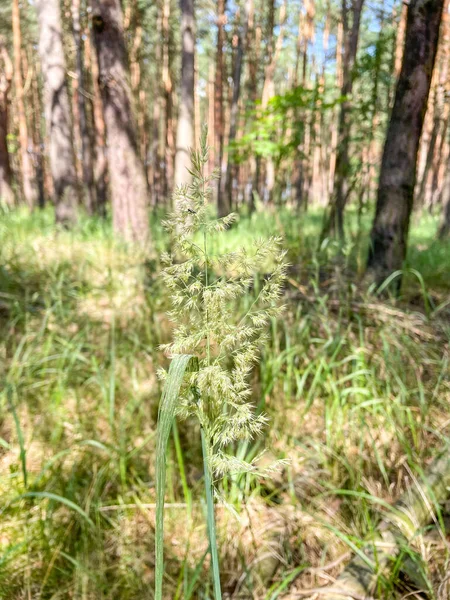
[[211, 520], [179, 365]]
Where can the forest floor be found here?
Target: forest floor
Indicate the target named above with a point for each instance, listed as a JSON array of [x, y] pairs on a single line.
[[356, 388]]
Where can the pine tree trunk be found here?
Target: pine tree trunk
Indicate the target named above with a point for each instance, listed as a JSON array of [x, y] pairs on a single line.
[[335, 221], [185, 126], [155, 175], [211, 114], [57, 111], [442, 154], [398, 167], [269, 90], [100, 159], [234, 112], [6, 74], [28, 177], [334, 117], [168, 140], [222, 200], [128, 182], [139, 94], [83, 130], [36, 126], [400, 40], [371, 149]]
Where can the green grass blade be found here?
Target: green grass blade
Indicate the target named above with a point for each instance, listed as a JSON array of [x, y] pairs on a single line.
[[178, 367], [23, 452], [192, 583], [180, 460], [278, 588], [211, 520], [112, 378], [56, 498]]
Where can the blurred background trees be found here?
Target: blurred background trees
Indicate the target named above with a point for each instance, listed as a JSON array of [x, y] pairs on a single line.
[[105, 98]]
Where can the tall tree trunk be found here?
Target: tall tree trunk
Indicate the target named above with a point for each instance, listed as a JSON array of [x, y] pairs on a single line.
[[436, 115], [335, 221], [185, 127], [100, 160], [139, 93], [398, 168], [211, 114], [334, 117], [128, 182], [269, 90], [254, 35], [73, 95], [197, 117], [441, 156], [37, 126], [400, 40], [57, 111], [302, 165], [6, 74], [222, 200], [429, 150], [155, 155], [168, 136], [28, 177], [370, 151], [234, 112], [86, 147]]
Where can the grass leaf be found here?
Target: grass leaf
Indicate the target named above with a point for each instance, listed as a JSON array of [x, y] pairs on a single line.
[[56, 498], [178, 367]]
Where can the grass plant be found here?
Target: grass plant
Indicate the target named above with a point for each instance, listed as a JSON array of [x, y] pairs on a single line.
[[206, 293]]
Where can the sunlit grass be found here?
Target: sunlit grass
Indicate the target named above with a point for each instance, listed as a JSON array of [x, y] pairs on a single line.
[[356, 390]]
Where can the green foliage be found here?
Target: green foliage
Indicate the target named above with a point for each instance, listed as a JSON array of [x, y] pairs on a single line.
[[267, 132]]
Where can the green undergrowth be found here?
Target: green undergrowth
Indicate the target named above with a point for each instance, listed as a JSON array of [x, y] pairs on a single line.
[[356, 389]]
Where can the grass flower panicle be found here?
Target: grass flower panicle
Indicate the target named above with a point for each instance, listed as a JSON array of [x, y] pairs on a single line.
[[208, 291]]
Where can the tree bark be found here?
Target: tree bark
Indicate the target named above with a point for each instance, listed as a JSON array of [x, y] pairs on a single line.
[[398, 168], [29, 187], [269, 89], [222, 200], [86, 146], [168, 141], [370, 151], [6, 74], [128, 182], [36, 125], [234, 112], [334, 223], [57, 111], [186, 118], [400, 40], [155, 175], [100, 160]]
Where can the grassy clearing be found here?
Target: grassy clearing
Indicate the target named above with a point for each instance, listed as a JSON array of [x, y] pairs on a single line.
[[357, 392]]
